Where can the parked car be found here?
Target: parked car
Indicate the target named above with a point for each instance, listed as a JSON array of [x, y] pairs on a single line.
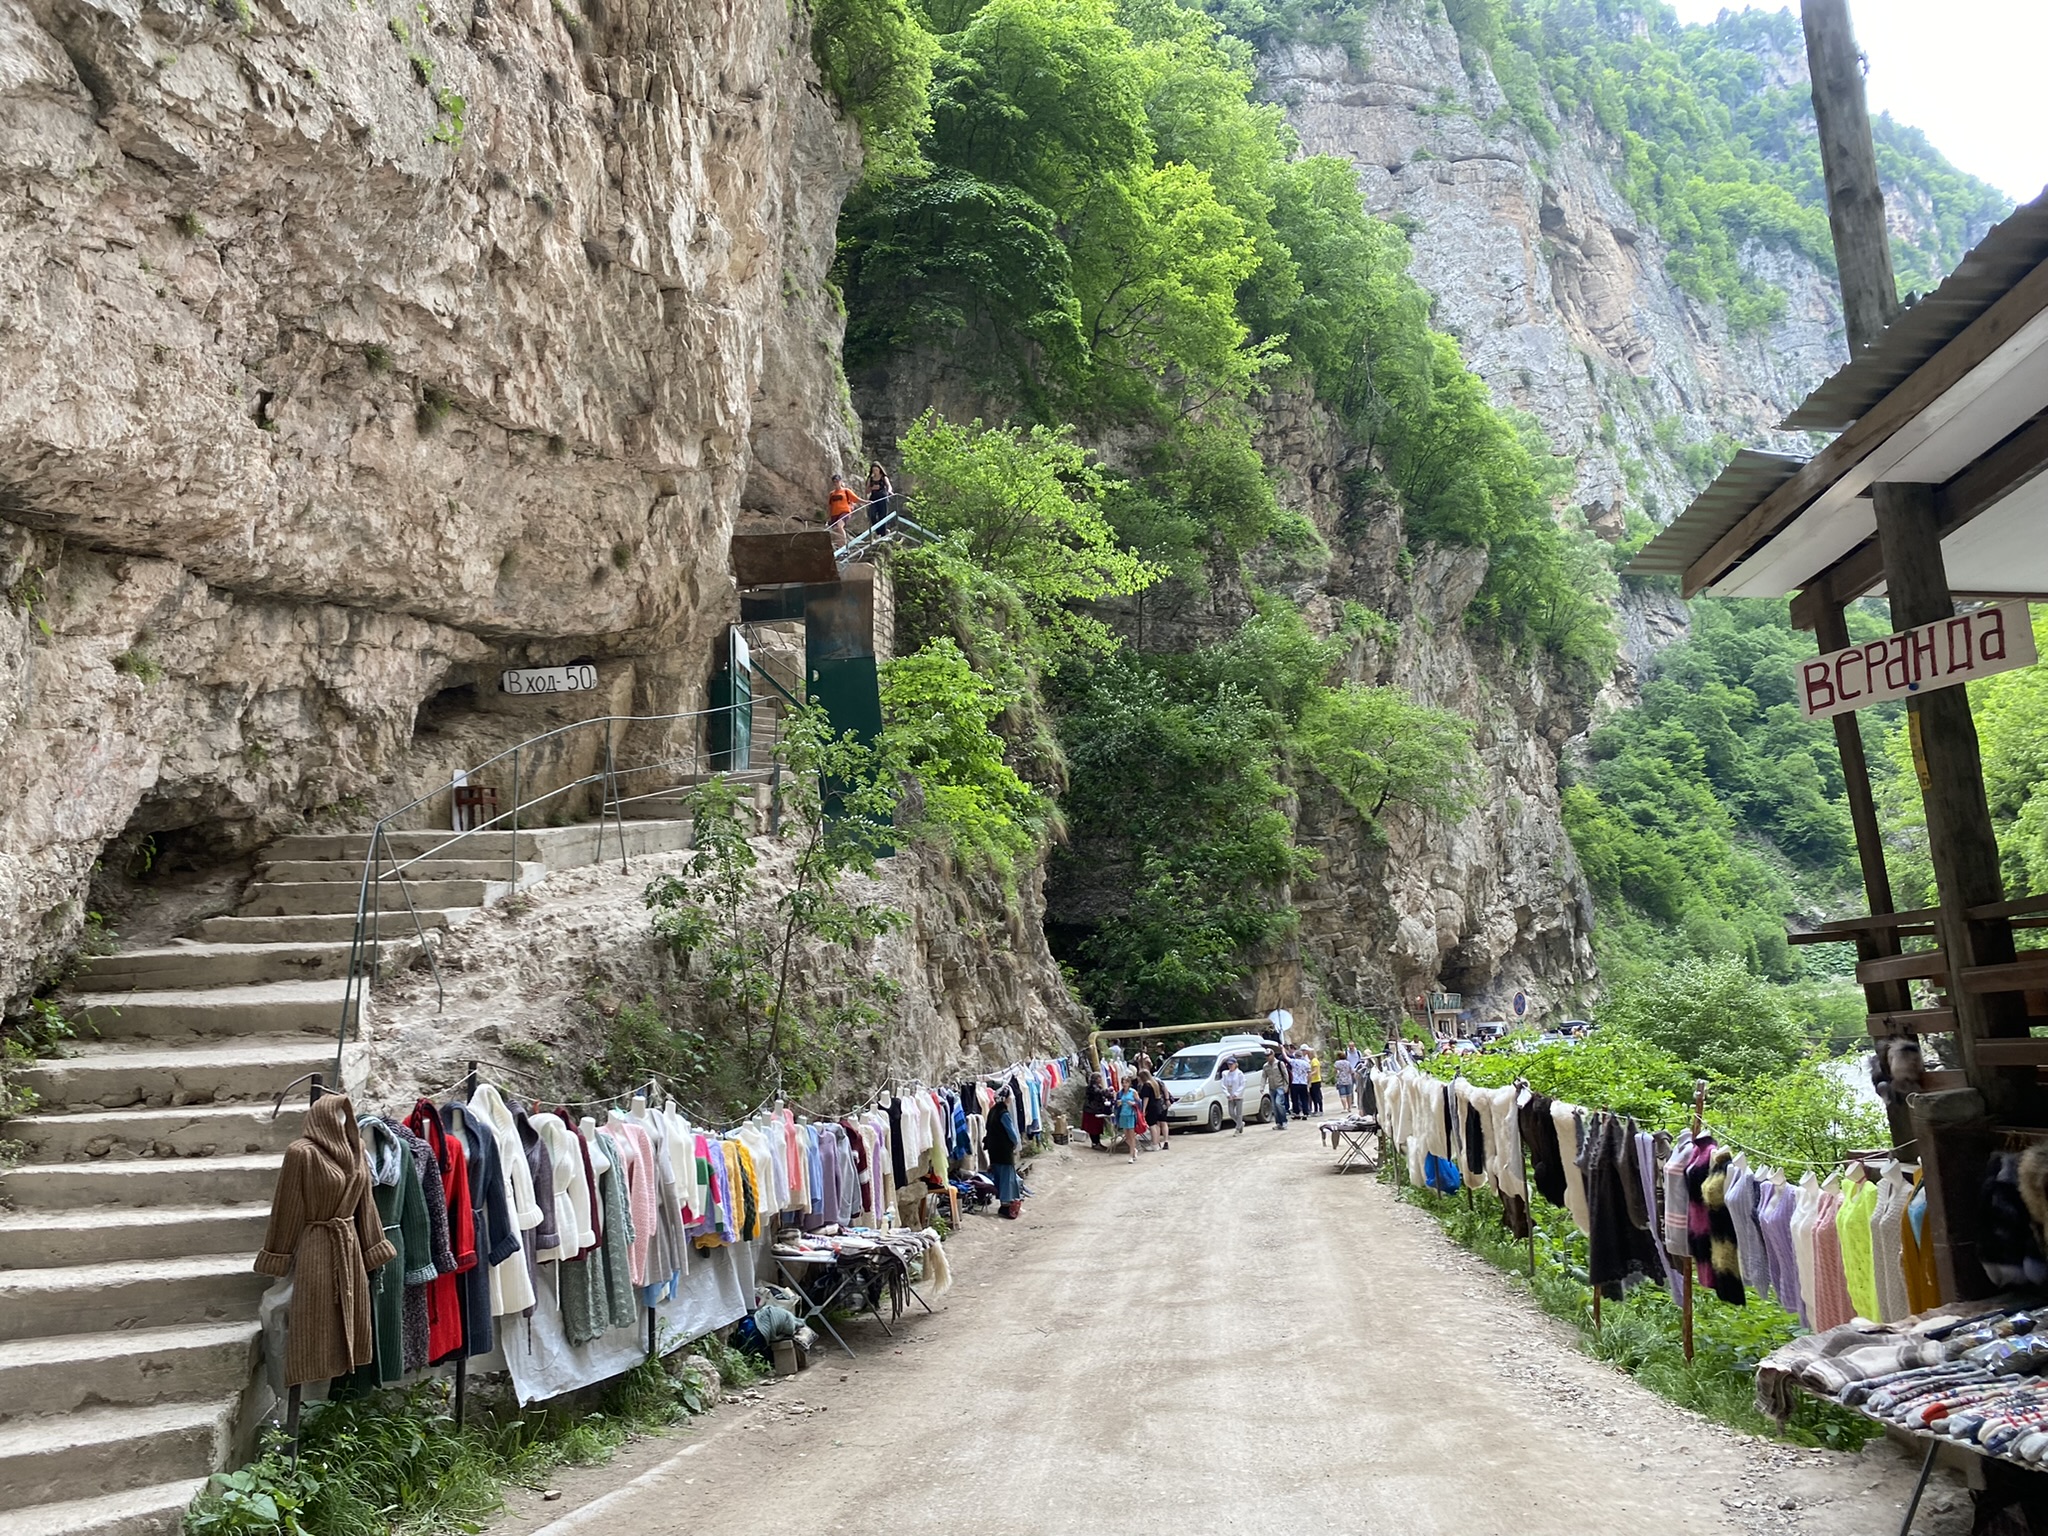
[[1194, 1080], [1489, 1031]]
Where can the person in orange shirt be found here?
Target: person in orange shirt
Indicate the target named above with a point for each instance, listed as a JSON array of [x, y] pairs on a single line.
[[839, 505]]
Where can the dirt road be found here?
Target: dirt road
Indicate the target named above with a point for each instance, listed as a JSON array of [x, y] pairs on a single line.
[[1227, 1337]]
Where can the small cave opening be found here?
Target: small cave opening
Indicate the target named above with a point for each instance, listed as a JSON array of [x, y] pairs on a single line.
[[167, 872], [444, 707]]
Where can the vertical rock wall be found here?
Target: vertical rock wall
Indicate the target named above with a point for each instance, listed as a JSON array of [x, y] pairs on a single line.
[[350, 351]]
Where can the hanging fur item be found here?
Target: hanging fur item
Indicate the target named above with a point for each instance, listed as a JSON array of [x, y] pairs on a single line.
[[1723, 1251], [1897, 1069], [2033, 1177], [2007, 1244]]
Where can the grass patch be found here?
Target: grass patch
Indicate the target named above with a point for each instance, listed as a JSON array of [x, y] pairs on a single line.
[[1642, 1333], [393, 1462], [140, 665]]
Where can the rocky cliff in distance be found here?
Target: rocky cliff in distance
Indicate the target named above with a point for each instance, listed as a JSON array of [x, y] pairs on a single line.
[[1489, 904], [351, 351], [1553, 285]]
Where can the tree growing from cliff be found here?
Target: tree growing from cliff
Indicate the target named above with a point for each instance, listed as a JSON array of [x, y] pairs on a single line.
[[741, 929]]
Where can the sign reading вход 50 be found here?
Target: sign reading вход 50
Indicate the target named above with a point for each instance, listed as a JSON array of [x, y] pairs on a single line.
[[578, 678], [1937, 655]]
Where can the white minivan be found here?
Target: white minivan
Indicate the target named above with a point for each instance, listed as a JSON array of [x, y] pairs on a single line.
[[1194, 1079]]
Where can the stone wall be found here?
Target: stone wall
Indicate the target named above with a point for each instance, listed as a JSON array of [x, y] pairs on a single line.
[[354, 351]]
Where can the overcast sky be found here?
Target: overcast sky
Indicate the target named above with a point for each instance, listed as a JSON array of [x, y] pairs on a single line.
[[1965, 72]]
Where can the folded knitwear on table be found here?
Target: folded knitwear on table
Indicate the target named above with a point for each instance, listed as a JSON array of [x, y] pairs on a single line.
[[1975, 1373]]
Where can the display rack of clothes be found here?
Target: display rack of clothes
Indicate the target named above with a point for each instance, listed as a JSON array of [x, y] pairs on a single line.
[[1839, 1243], [443, 1236]]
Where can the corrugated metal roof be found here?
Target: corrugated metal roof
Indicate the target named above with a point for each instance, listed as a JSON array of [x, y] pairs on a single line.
[[2008, 253], [1741, 486]]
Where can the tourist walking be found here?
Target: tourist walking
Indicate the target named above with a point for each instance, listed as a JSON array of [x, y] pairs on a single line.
[[1233, 1092], [1315, 1082], [1152, 1095], [881, 493], [839, 505], [1127, 1120], [1344, 1072], [1297, 1083], [999, 1140], [1276, 1088]]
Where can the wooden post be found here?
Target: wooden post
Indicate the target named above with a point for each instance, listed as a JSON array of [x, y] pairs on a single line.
[[1831, 633], [1960, 839], [1863, 252], [1699, 1109]]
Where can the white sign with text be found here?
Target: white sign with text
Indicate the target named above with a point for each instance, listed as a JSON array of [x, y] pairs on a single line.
[[580, 678], [1937, 655]]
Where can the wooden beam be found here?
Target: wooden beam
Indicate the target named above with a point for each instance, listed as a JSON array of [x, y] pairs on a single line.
[[1979, 487], [1912, 1022], [1926, 965], [1927, 384], [1863, 250]]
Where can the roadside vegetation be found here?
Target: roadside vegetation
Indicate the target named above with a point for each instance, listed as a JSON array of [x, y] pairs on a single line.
[[392, 1463], [1768, 1092]]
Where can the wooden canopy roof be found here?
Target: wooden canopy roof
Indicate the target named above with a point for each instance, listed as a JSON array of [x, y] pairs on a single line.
[[1954, 394]]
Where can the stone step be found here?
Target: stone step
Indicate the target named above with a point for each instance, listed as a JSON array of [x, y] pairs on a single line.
[[113, 1234], [299, 898], [158, 1510], [142, 1182], [119, 1074], [153, 1365], [328, 927], [297, 871], [196, 1130], [188, 964], [556, 847], [126, 1296], [261, 1008], [109, 1450]]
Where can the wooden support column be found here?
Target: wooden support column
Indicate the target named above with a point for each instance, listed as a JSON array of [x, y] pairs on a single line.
[[1955, 1138], [1831, 631], [1959, 834], [1863, 251]]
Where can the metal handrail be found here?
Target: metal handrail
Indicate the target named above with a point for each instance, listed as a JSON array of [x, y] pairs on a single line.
[[365, 947]]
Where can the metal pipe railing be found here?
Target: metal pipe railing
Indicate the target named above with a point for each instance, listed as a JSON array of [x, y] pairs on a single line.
[[381, 863]]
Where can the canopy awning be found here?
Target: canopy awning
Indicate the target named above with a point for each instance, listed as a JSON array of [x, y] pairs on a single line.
[[1958, 400]]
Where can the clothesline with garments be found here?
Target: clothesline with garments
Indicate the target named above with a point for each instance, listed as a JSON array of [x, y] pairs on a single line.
[[1684, 1208], [570, 1239]]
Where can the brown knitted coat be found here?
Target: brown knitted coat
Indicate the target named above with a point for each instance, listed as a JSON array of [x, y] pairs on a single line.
[[325, 1232]]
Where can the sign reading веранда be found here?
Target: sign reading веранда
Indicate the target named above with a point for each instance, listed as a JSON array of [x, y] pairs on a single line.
[[1937, 655]]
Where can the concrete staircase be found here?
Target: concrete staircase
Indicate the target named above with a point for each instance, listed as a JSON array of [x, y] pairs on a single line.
[[128, 1338]]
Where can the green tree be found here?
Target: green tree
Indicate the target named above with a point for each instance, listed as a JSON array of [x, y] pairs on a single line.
[[938, 717], [1378, 747], [876, 57], [1026, 505], [1713, 1015]]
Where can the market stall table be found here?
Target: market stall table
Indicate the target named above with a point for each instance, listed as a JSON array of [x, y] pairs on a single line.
[[1356, 1140]]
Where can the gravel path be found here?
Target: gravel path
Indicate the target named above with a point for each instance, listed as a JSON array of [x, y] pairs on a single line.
[[1226, 1337]]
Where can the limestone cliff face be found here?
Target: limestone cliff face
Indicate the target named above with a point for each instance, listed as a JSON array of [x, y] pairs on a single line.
[[351, 351], [1556, 290], [1489, 903]]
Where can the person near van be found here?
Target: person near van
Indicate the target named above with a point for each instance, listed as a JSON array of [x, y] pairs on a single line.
[[1315, 1083], [1344, 1072], [1155, 1101], [999, 1140], [1297, 1082], [1127, 1120], [1276, 1088], [1233, 1092]]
